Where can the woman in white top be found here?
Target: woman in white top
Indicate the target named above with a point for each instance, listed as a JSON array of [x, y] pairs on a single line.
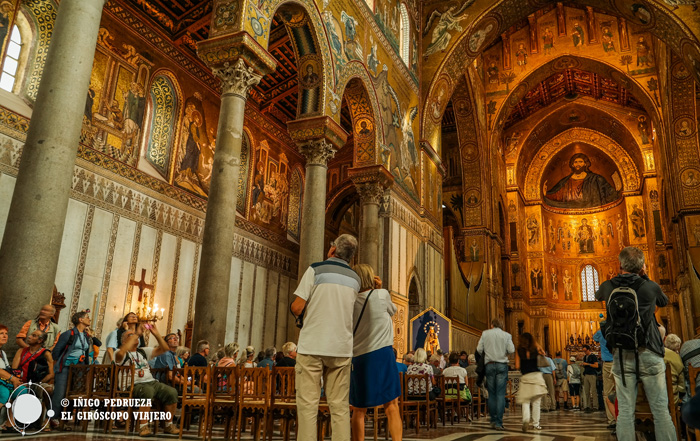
[[374, 379]]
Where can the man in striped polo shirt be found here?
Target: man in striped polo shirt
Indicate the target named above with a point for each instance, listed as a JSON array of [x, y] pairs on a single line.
[[326, 295]]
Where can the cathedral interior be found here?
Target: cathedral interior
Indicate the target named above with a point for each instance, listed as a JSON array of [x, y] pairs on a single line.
[[492, 156]]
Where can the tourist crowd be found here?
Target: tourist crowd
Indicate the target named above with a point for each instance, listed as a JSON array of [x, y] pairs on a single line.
[[345, 352]]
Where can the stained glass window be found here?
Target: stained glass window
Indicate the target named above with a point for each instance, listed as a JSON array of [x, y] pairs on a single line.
[[589, 283], [9, 68]]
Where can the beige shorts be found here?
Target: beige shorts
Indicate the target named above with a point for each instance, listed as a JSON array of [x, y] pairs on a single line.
[[563, 384]]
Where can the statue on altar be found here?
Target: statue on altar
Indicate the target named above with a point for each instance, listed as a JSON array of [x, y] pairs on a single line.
[[432, 343]]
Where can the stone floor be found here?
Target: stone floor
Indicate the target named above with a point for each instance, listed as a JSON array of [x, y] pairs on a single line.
[[557, 426]]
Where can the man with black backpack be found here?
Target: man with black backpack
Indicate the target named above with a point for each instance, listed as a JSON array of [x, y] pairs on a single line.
[[633, 336]]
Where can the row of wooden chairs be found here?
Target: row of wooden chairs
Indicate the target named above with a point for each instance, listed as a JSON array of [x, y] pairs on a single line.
[[236, 395]]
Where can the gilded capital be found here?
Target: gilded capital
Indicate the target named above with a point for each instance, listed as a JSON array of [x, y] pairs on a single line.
[[317, 151], [370, 192], [237, 78]]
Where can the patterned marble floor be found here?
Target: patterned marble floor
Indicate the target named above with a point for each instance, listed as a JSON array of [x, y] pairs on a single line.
[[557, 426]]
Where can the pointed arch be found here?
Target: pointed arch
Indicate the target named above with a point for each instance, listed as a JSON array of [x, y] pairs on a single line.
[[306, 31], [405, 35], [357, 87]]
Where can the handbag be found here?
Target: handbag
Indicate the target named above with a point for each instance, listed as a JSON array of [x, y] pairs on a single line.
[[361, 313]]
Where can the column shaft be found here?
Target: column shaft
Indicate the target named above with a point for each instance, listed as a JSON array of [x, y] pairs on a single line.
[[313, 217], [32, 240], [313, 214], [211, 304], [369, 235]]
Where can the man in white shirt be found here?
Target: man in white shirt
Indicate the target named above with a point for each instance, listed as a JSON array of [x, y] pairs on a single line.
[[326, 297], [496, 344]]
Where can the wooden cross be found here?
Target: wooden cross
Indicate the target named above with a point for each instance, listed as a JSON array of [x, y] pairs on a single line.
[[141, 283]]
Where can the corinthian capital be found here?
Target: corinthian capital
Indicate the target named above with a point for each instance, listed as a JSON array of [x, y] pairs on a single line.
[[317, 151], [237, 79], [370, 192]]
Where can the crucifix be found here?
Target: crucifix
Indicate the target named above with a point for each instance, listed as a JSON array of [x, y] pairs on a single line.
[[141, 283]]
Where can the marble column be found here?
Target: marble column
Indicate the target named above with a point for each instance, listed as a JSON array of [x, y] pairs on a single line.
[[370, 182], [211, 304], [370, 195], [32, 240], [313, 214]]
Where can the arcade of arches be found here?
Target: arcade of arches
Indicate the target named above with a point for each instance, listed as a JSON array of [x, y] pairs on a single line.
[[212, 149]]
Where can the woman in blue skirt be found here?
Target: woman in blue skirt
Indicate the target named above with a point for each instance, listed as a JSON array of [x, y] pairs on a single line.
[[374, 379]]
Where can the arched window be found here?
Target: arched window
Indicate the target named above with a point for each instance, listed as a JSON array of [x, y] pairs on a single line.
[[165, 111], [405, 35], [9, 67], [589, 283]]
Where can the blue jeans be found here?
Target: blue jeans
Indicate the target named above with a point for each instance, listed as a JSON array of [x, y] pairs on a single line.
[[496, 382], [652, 373], [60, 384]]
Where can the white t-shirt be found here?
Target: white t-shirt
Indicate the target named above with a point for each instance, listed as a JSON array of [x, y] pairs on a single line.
[[456, 371], [142, 370], [329, 288], [376, 330]]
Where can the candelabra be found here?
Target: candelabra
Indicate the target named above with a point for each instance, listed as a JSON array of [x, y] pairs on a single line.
[[150, 314]]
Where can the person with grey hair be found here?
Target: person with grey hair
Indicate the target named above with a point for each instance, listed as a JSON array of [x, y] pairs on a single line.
[[496, 344], [200, 358], [325, 302], [648, 359], [672, 345], [289, 350], [269, 357]]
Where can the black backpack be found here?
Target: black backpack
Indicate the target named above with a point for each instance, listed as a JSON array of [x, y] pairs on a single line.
[[623, 327]]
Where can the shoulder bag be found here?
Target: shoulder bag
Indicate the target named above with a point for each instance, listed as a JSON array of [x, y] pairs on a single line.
[[361, 313]]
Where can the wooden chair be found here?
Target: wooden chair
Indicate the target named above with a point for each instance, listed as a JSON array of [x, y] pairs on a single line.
[[223, 399], [693, 373], [408, 408], [78, 387], [283, 405], [378, 416], [449, 398], [418, 389], [478, 401], [254, 397], [123, 387], [672, 406], [196, 397], [101, 385]]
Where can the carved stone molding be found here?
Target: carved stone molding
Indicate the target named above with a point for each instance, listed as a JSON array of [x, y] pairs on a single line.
[[317, 151], [237, 79], [370, 192]]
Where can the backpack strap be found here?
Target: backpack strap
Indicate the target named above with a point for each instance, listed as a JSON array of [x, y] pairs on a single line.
[[690, 355], [359, 319]]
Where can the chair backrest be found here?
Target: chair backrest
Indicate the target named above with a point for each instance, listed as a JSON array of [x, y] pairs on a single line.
[[693, 373], [160, 374], [123, 380], [198, 380], [224, 383], [449, 387], [79, 380], [417, 387], [102, 380], [254, 385], [283, 384]]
